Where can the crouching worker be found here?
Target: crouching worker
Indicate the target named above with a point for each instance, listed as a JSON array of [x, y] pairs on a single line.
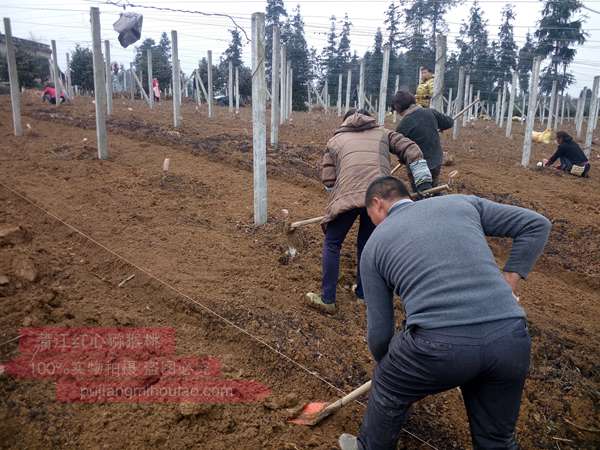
[[355, 156], [571, 157], [423, 126], [463, 323], [49, 95]]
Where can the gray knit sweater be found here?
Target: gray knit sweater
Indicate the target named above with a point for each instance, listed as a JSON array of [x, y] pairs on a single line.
[[434, 255]]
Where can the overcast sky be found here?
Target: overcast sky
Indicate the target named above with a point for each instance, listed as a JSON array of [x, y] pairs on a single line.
[[67, 21]]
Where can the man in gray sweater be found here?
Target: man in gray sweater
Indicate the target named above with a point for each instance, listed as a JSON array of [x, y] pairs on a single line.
[[464, 326]]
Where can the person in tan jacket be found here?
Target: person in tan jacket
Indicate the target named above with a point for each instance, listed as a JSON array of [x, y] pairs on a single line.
[[357, 154]]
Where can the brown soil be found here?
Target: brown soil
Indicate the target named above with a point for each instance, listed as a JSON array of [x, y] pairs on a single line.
[[193, 231]]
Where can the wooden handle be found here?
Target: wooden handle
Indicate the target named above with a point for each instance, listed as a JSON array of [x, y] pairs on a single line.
[[306, 222], [348, 398], [465, 109], [435, 190]]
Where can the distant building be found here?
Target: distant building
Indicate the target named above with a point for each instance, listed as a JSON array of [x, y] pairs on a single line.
[[34, 48]]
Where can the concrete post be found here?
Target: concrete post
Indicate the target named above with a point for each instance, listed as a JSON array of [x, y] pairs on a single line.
[[466, 97], [396, 87], [150, 78], [283, 87], [109, 86], [13, 77], [580, 111], [237, 90], [339, 98], [275, 72], [552, 109], [511, 106], [99, 85], [210, 83], [290, 83], [259, 131], [348, 91], [437, 100], [592, 117], [503, 106], [361, 85], [535, 75], [458, 102], [55, 72], [176, 81], [230, 86], [385, 72]]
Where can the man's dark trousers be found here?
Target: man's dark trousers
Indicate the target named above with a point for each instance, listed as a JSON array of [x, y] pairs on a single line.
[[335, 234], [488, 362]]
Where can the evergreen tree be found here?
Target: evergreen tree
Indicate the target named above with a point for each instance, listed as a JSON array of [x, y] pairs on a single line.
[[392, 19], [418, 53], [300, 59], [526, 54], [329, 58], [559, 30], [275, 10], [373, 65], [233, 53], [475, 53], [507, 49], [435, 10], [343, 52], [82, 68]]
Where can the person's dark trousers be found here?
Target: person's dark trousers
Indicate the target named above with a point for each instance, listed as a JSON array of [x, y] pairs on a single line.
[[435, 175], [335, 234], [567, 165], [490, 370]]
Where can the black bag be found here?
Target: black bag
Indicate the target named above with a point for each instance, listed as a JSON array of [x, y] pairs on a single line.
[[129, 27]]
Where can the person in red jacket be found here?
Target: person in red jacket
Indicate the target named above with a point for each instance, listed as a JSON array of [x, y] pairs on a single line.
[[49, 95]]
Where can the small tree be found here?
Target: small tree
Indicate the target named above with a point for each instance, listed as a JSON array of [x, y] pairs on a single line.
[[32, 70], [526, 54], [559, 30], [82, 68], [507, 49]]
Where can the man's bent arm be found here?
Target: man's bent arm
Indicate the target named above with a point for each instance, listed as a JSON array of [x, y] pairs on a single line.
[[380, 307], [528, 229]]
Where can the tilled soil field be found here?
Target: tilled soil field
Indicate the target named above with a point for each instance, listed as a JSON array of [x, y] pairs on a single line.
[[228, 290]]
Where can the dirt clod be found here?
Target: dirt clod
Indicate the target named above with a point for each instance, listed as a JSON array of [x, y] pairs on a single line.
[[24, 268]]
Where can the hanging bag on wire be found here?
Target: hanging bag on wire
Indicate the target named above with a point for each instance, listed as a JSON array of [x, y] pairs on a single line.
[[129, 27]]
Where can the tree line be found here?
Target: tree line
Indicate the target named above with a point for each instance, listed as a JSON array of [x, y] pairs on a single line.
[[409, 27]]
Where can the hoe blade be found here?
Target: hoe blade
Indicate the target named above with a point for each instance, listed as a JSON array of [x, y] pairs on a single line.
[[311, 414]]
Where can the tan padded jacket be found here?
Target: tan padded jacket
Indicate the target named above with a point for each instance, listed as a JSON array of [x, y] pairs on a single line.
[[358, 154]]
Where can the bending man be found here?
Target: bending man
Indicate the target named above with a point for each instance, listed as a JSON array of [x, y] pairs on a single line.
[[355, 156], [463, 324], [422, 125]]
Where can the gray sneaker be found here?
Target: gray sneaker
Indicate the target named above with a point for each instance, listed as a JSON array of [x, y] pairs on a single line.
[[348, 442], [315, 301]]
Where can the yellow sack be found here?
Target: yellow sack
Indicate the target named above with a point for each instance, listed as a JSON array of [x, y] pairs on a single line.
[[543, 137]]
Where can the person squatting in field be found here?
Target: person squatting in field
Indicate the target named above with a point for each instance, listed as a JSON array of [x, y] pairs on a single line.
[[356, 155], [463, 327], [423, 126], [49, 95], [571, 157]]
